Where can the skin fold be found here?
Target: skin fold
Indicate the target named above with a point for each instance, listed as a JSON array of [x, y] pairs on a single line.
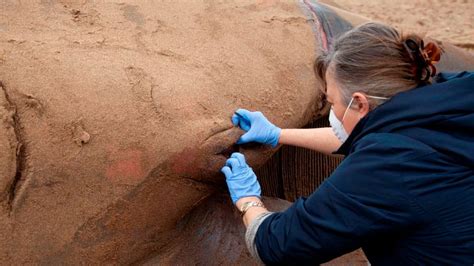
[[115, 121]]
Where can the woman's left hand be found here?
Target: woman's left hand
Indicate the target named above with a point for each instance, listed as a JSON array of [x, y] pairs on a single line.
[[240, 178]]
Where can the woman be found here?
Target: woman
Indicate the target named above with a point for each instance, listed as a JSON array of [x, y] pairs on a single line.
[[405, 190]]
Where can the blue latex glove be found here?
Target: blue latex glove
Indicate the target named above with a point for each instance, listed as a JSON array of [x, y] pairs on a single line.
[[258, 128], [240, 178]]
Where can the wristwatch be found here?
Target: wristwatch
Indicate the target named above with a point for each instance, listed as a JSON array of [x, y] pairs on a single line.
[[249, 204]]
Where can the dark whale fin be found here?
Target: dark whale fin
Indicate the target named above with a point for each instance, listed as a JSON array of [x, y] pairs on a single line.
[[327, 25]]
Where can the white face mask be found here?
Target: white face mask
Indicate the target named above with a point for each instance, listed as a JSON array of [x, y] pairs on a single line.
[[337, 125]]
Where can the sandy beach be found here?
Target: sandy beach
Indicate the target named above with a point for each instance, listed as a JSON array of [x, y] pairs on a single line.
[[116, 118], [445, 20]]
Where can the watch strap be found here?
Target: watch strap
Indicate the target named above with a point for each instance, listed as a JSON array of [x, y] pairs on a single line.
[[249, 204]]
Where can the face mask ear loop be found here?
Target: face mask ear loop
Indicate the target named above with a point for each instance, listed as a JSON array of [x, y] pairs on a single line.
[[347, 109], [377, 97]]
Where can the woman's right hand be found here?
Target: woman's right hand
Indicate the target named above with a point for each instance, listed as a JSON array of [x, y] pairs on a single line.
[[258, 128]]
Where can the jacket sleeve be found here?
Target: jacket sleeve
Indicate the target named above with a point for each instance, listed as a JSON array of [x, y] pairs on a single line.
[[364, 197]]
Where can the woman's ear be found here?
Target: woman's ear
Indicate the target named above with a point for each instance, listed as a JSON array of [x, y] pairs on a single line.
[[363, 106]]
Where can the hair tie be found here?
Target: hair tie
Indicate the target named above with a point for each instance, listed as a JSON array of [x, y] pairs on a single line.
[[423, 57], [432, 55]]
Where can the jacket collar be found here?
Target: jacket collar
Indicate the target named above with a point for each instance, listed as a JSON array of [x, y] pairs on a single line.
[[452, 94]]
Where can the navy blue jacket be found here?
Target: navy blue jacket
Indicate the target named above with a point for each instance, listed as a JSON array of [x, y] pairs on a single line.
[[404, 192]]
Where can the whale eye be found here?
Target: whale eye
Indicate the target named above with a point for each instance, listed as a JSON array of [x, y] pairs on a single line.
[[229, 150]]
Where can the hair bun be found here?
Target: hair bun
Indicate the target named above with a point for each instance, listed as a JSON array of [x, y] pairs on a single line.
[[423, 57]]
